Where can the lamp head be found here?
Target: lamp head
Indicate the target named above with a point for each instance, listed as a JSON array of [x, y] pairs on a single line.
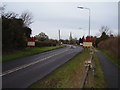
[[80, 7]]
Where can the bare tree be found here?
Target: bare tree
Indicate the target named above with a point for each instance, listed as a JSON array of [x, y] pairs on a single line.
[[27, 18], [2, 9], [104, 29], [10, 15]]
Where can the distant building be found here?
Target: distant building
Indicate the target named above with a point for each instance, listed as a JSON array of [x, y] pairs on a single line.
[[70, 38]]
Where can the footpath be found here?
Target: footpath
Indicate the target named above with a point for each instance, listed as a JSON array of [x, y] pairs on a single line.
[[111, 71]]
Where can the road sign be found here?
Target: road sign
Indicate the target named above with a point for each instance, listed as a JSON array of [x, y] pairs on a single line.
[[87, 44], [31, 43]]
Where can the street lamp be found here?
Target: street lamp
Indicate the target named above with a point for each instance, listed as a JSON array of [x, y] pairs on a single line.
[[89, 15]]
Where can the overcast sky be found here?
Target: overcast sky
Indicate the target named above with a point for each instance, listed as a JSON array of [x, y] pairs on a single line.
[[49, 17]]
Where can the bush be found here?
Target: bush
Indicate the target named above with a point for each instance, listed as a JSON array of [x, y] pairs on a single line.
[[44, 43], [111, 45]]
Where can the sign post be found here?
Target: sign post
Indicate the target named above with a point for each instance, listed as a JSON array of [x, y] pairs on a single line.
[[31, 42]]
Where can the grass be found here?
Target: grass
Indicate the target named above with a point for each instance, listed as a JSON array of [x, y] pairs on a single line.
[[27, 52], [68, 75], [99, 80], [114, 59]]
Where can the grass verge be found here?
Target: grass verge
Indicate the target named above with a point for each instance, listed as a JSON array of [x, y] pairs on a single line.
[[95, 79], [114, 59], [68, 75], [27, 52]]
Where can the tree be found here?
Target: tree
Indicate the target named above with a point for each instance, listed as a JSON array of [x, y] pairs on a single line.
[[42, 36], [10, 15], [104, 30], [80, 40], [14, 32], [104, 36], [27, 18], [2, 9], [27, 32]]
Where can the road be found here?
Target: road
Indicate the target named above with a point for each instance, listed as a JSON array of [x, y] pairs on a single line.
[[21, 73], [111, 71]]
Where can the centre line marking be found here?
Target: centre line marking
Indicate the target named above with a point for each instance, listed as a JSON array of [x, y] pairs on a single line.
[[29, 64]]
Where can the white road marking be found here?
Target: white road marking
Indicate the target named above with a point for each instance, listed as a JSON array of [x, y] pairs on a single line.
[[27, 65]]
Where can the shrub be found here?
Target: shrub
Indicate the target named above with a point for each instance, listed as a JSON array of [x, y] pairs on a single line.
[[44, 43], [111, 45]]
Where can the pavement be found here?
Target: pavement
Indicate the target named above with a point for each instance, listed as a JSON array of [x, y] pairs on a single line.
[[111, 71], [21, 73]]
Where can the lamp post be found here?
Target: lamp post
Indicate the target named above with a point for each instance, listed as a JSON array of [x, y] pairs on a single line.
[[89, 16]]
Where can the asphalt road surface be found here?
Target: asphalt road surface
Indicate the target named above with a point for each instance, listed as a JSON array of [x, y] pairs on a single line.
[[21, 73], [111, 71]]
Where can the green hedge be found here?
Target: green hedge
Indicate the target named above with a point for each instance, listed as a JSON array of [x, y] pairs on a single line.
[[44, 43]]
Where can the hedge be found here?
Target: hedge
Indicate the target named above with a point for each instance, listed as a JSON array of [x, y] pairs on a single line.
[[44, 43]]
